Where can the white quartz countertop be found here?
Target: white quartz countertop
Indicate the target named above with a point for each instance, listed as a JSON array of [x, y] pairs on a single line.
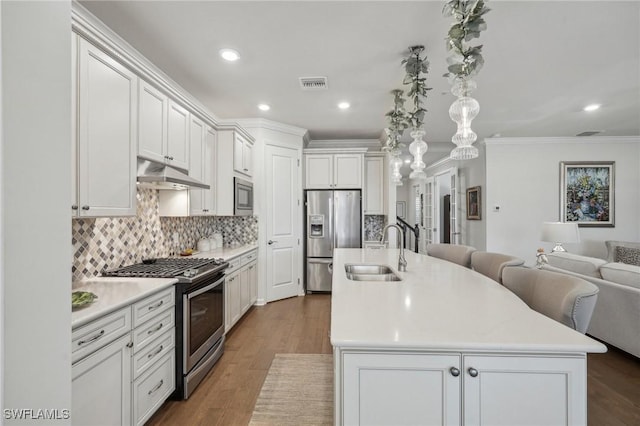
[[439, 305], [114, 293]]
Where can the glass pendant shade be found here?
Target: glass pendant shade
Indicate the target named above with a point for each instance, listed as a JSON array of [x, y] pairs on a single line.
[[418, 148], [463, 111], [396, 163]]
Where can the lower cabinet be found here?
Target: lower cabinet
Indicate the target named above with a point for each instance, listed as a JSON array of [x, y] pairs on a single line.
[[241, 287], [455, 389], [126, 377]]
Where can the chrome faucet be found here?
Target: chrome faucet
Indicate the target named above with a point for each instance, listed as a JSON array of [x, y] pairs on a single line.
[[402, 262]]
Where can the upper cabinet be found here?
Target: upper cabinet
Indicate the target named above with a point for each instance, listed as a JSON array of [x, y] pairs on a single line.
[[242, 155], [203, 147], [333, 170], [374, 184], [105, 103], [163, 133]]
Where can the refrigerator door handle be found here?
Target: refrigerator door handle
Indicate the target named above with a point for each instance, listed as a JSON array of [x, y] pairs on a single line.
[[330, 268], [335, 221]]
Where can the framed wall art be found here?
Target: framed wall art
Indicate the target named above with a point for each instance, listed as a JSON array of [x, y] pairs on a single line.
[[474, 203], [587, 193]]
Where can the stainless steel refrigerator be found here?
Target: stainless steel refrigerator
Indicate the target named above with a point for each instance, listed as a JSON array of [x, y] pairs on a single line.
[[333, 220]]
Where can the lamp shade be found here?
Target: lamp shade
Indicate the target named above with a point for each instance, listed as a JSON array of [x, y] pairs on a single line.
[[560, 232]]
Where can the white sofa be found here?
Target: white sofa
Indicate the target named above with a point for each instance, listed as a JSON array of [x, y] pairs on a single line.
[[616, 317]]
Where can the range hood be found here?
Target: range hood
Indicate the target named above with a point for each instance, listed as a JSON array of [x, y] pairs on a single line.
[[161, 176]]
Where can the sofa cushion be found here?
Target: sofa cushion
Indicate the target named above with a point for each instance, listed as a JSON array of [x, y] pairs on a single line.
[[621, 273], [613, 255], [628, 255], [584, 265]]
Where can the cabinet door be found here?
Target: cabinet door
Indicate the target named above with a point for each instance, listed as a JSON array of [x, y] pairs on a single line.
[[233, 300], [510, 390], [178, 136], [253, 282], [107, 108], [152, 122], [247, 159], [245, 293], [319, 171], [347, 171], [101, 386], [196, 165], [208, 170], [238, 158], [374, 185], [400, 389]]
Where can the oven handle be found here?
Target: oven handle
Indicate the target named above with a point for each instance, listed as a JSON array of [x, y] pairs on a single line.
[[204, 289]]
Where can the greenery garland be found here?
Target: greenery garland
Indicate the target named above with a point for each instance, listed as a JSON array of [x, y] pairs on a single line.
[[465, 60], [397, 121], [415, 66]]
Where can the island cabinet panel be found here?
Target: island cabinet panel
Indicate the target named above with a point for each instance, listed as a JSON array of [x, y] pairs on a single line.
[[400, 389], [510, 390]]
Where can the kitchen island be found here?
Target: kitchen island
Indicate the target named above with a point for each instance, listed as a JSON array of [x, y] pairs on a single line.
[[446, 345]]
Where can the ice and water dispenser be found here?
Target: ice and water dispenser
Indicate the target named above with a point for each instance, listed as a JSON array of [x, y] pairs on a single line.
[[316, 226]]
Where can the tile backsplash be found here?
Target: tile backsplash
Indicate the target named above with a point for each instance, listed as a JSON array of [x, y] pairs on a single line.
[[373, 226], [107, 243]]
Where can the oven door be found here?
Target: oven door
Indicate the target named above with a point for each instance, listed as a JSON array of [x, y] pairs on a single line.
[[203, 321], [243, 197]]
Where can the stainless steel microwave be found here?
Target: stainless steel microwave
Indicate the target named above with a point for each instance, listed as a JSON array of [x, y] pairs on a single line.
[[242, 197]]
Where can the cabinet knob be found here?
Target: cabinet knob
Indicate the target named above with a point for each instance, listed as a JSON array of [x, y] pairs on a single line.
[[246, 170], [271, 242], [472, 372], [170, 158], [74, 207], [454, 371], [85, 207]]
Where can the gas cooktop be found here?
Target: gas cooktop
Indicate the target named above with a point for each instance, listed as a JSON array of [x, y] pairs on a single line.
[[185, 269]]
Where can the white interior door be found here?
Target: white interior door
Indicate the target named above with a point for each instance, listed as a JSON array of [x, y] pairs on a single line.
[[282, 223], [428, 214], [454, 214]]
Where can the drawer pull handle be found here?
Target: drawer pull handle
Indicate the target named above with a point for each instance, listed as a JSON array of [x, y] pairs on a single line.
[[156, 306], [92, 339], [158, 386], [156, 352], [155, 329]]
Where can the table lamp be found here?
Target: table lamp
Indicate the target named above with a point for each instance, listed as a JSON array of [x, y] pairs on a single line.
[[560, 232]]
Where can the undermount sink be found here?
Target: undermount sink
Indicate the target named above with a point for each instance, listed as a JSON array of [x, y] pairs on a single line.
[[370, 273]]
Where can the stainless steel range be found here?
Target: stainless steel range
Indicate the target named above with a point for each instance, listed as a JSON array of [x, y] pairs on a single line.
[[199, 313]]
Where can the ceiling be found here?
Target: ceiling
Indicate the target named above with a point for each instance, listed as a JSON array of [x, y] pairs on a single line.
[[544, 61]]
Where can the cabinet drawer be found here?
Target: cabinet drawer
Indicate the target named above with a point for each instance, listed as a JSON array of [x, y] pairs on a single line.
[[150, 306], [234, 265], [145, 334], [153, 351], [249, 257], [98, 333], [153, 388]]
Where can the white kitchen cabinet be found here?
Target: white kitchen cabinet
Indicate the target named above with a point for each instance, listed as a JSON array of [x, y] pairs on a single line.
[[242, 155], [177, 136], [101, 386], [202, 148], [241, 287], [227, 166], [402, 388], [124, 363], [326, 170], [374, 201], [163, 128], [105, 128]]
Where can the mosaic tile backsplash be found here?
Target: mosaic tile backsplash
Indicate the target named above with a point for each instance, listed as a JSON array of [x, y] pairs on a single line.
[[373, 226], [107, 243]]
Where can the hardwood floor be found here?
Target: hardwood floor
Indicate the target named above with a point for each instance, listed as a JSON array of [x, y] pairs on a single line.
[[301, 325]]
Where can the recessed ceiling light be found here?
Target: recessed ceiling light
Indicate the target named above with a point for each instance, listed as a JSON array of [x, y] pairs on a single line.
[[344, 105], [591, 107], [264, 107], [229, 55]]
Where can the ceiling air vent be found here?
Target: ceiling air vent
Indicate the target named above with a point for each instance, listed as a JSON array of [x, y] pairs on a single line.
[[589, 133], [313, 83]]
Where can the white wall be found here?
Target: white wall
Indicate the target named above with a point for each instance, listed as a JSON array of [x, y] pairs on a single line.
[[36, 224], [523, 178]]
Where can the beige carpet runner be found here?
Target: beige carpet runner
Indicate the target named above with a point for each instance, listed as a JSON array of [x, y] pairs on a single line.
[[298, 390]]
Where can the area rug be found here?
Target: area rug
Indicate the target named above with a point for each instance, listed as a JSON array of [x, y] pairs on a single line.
[[298, 390]]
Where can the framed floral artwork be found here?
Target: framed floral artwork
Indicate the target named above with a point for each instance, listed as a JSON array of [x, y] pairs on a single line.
[[587, 193], [474, 206]]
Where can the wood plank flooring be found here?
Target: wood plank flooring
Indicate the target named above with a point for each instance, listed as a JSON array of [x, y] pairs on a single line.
[[301, 325]]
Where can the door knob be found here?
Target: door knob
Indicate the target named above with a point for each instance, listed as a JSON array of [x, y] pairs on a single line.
[[271, 242]]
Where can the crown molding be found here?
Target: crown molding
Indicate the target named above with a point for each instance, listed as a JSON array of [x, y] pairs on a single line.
[[89, 27], [263, 123], [373, 144], [230, 125], [560, 139]]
